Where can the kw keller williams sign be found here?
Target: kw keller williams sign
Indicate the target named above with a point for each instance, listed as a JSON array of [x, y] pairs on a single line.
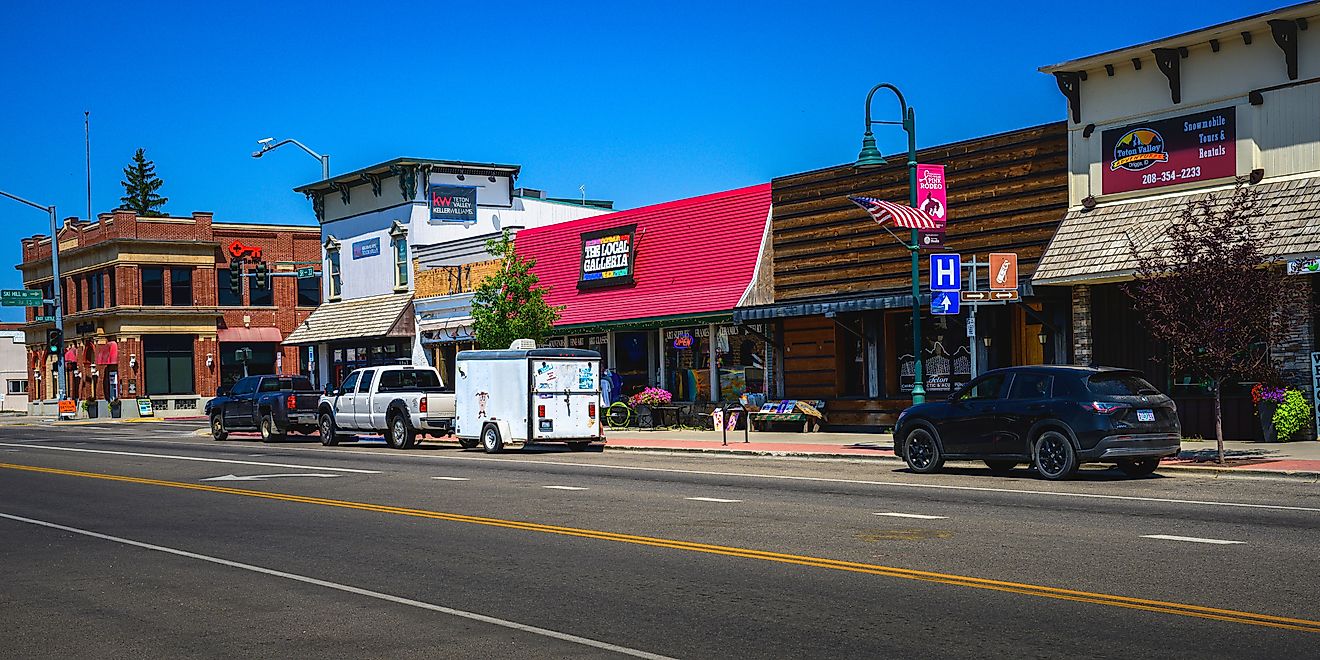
[[1196, 147]]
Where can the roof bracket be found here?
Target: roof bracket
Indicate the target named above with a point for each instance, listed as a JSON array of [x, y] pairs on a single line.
[[1285, 35], [1246, 38], [1070, 83], [1136, 63], [374, 180], [344, 191], [407, 180], [1169, 61], [318, 204]]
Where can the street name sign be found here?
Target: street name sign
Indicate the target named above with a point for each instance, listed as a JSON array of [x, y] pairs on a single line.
[[306, 272], [45, 319], [946, 273], [944, 303], [20, 298]]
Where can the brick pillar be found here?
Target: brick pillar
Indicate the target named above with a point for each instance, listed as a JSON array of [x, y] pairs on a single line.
[[1292, 355], [1081, 322]]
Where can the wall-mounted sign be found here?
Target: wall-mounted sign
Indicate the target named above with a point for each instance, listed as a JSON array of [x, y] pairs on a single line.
[[931, 198], [683, 341], [238, 250], [607, 257], [930, 240], [86, 328], [452, 203], [1195, 147], [1304, 266], [369, 248]]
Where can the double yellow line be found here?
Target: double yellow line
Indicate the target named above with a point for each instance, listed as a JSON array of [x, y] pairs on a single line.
[[1163, 607]]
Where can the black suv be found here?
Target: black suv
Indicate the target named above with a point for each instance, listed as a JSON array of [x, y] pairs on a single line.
[[1054, 417]]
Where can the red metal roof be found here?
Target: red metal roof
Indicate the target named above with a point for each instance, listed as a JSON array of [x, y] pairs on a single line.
[[693, 256]]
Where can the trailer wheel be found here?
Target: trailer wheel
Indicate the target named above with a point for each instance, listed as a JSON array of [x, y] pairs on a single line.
[[490, 438]]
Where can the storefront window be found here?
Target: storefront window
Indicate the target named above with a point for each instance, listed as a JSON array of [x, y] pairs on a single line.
[[181, 294], [153, 286], [168, 364], [739, 361], [947, 360], [225, 292], [262, 362], [260, 296]]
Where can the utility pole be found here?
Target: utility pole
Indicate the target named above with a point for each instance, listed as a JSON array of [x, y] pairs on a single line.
[[56, 297]]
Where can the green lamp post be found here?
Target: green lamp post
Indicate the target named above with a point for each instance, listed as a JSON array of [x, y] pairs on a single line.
[[870, 158]]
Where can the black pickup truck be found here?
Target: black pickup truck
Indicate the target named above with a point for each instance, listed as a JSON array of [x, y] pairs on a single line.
[[273, 405]]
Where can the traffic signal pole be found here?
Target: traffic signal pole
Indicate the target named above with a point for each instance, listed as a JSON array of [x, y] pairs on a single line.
[[56, 294]]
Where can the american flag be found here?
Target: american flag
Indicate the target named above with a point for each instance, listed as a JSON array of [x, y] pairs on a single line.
[[903, 216]]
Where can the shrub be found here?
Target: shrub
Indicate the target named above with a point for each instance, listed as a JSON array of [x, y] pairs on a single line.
[[1292, 415]]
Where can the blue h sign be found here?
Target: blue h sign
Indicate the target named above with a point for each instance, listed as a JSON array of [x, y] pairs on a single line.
[[945, 272]]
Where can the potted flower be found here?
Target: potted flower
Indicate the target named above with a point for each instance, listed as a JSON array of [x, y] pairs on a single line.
[[1267, 399], [647, 399]]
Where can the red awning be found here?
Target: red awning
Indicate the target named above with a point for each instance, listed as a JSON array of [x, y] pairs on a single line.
[[71, 356], [107, 353], [250, 335]]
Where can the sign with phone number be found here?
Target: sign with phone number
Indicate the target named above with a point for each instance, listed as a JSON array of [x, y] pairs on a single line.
[[1196, 147]]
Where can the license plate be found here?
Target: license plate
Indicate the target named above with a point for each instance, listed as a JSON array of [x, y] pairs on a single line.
[[1145, 415]]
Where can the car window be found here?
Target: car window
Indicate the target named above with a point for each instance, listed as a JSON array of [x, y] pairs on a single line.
[[1119, 385], [364, 385], [1068, 386], [390, 380], [270, 385], [985, 388], [302, 385], [1030, 386], [244, 386], [350, 382]]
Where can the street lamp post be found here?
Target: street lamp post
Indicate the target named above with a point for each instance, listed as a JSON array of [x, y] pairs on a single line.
[[870, 157], [269, 144], [56, 297]]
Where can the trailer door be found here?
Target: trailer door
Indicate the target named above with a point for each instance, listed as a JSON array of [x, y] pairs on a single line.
[[565, 399]]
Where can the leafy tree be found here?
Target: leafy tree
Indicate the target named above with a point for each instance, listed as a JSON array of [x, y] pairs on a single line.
[[140, 186], [1209, 292], [509, 304]]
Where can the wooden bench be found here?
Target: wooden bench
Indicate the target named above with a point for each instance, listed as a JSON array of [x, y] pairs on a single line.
[[787, 411]]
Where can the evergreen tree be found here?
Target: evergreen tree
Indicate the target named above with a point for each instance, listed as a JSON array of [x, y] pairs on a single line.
[[140, 186], [509, 304]]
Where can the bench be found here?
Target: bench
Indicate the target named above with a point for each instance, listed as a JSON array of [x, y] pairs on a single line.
[[807, 412]]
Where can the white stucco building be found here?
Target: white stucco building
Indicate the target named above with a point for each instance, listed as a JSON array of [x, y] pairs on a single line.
[[13, 368]]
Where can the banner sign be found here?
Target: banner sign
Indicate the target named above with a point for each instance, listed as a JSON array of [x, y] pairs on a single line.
[[452, 203], [931, 198], [607, 257], [369, 248], [1303, 266], [1195, 147]]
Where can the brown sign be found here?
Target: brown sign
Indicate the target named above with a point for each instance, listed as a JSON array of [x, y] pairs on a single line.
[[1003, 270], [989, 296]]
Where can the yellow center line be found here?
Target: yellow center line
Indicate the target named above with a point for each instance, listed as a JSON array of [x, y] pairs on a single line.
[[1164, 607]]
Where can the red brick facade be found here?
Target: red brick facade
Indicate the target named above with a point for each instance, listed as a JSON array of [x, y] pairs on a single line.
[[102, 264]]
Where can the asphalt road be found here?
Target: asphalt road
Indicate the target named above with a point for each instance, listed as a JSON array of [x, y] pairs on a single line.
[[144, 540]]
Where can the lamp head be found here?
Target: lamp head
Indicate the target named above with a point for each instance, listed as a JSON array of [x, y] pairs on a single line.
[[869, 156], [264, 141]]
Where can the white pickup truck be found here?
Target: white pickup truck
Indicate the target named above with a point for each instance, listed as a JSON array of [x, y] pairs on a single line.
[[401, 402]]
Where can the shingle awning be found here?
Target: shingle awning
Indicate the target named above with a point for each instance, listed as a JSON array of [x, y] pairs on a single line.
[[373, 317], [1093, 246]]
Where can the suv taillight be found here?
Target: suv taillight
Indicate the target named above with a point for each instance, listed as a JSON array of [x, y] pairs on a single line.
[[1102, 407], [421, 404], [292, 401]]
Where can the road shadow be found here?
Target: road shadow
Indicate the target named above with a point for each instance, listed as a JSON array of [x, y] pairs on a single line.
[[1024, 474]]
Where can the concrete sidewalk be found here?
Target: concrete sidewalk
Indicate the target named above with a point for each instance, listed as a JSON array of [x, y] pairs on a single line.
[[1240, 456]]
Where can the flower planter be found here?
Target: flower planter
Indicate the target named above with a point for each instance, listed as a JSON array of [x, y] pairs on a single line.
[[1265, 413]]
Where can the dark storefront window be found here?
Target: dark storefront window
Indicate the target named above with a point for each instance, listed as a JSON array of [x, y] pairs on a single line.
[[260, 296], [946, 354], [181, 294], [168, 364], [224, 293], [95, 291], [153, 286], [309, 291], [850, 333], [346, 356], [262, 362]]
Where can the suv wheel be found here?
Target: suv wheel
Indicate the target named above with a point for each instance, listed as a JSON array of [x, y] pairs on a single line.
[[268, 431], [1138, 467], [922, 453], [1055, 457], [218, 431], [399, 435], [329, 434]]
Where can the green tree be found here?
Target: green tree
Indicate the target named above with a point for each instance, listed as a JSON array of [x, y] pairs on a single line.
[[140, 186], [509, 304]]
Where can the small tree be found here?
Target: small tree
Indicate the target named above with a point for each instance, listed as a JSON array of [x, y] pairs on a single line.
[[140, 186], [509, 304], [1211, 294]]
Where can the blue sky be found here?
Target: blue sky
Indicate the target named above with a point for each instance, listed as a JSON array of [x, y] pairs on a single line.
[[640, 105]]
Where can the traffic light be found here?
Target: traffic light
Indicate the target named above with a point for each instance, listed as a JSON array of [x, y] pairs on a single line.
[[54, 340], [263, 279], [235, 277]]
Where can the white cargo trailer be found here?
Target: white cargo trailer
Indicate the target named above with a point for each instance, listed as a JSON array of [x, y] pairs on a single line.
[[528, 395]]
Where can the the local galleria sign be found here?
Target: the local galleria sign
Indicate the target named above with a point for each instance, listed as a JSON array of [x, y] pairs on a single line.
[[607, 257]]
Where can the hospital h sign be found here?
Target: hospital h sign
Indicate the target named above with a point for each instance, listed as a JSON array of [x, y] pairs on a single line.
[[945, 272]]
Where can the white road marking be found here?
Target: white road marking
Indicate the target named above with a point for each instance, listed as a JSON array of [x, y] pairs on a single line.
[[918, 516], [198, 459], [565, 487], [1191, 539], [451, 478], [788, 477], [544, 632], [262, 477], [711, 499]]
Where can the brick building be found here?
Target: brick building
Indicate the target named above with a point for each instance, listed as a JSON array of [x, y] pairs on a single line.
[[149, 310]]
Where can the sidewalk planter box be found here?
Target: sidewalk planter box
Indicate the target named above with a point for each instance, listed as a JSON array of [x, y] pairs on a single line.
[[1265, 415]]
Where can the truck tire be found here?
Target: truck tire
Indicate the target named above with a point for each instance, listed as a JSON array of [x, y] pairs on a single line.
[[218, 432], [269, 433], [491, 440], [400, 434], [329, 433]]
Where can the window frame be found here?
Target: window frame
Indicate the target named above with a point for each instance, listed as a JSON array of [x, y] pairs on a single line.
[[336, 281], [222, 291], [268, 297], [1048, 392], [176, 287], [142, 280], [399, 246], [307, 301]]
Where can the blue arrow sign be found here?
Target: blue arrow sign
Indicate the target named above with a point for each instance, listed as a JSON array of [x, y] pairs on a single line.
[[945, 272], [944, 303]]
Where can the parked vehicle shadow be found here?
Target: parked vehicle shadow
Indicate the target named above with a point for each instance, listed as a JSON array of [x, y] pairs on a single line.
[[1023, 473]]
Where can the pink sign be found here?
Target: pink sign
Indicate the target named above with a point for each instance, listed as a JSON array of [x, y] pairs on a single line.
[[930, 194]]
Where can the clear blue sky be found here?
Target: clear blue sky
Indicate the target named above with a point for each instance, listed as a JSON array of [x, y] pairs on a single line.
[[641, 105]]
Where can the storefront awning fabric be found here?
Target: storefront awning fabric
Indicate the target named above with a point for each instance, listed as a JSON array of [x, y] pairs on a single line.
[[107, 353], [373, 317], [249, 335]]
